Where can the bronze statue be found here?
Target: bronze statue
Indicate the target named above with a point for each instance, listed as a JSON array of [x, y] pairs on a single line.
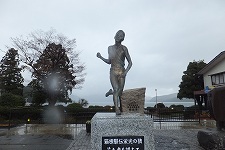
[[116, 57]]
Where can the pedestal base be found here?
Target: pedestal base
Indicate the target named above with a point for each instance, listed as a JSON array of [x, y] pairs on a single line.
[[121, 132]]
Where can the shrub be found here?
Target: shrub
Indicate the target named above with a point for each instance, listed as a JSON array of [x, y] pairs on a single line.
[[73, 107], [177, 107], [160, 105]]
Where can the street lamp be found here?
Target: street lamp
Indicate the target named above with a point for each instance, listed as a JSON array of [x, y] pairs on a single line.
[[156, 98]]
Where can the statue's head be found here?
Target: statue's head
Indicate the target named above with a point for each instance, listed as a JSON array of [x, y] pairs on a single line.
[[120, 35]]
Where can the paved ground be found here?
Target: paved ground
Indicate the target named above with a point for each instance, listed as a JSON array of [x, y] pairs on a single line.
[[33, 142], [81, 142], [38, 137], [169, 136]]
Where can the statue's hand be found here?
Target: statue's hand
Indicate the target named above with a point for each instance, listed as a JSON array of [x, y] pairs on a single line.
[[99, 55]]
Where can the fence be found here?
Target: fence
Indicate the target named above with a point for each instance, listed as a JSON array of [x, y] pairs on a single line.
[[23, 116], [15, 116], [163, 115], [78, 118], [172, 115]]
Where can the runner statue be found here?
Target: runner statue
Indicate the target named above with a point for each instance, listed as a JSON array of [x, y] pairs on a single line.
[[116, 57]]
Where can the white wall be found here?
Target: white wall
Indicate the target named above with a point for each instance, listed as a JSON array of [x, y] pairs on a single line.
[[220, 67]]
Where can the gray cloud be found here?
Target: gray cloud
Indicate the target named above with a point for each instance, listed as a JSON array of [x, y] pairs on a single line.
[[162, 36]]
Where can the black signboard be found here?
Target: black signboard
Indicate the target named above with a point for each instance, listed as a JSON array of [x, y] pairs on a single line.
[[123, 143]]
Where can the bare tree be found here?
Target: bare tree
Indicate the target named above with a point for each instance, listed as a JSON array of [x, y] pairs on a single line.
[[41, 53]]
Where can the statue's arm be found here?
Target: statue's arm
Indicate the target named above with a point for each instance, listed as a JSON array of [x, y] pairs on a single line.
[[104, 59], [127, 55]]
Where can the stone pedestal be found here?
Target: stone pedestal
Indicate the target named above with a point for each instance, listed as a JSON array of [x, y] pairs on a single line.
[[121, 131]]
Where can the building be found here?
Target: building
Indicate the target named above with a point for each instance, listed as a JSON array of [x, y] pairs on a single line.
[[214, 72], [213, 75]]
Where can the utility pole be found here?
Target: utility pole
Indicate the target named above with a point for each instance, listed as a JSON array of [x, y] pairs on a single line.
[[156, 98]]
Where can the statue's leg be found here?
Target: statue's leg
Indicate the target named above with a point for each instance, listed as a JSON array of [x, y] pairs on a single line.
[[110, 92], [120, 91], [115, 85], [116, 102]]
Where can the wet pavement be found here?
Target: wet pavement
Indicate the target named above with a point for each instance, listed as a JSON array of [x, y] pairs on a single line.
[[168, 135], [39, 137]]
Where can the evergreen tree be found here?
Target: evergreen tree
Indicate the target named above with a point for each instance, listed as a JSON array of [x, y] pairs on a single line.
[[11, 80], [55, 73], [191, 81], [38, 94]]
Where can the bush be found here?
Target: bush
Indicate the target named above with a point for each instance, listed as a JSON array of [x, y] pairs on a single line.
[[160, 105], [20, 113], [74, 105], [177, 107]]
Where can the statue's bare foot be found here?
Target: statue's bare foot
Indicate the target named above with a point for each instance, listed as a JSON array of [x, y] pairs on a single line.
[[110, 92]]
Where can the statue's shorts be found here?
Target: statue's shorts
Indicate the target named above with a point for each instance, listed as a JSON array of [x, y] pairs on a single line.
[[116, 71]]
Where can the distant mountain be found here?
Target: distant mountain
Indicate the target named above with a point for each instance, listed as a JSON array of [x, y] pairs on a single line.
[[169, 98], [147, 98]]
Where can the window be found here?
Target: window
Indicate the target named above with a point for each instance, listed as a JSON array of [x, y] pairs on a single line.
[[218, 79], [213, 78], [221, 79], [224, 77]]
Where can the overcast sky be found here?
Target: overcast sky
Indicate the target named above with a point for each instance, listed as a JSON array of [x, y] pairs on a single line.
[[162, 36]]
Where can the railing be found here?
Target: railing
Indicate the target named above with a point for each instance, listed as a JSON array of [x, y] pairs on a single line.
[[16, 116], [163, 115], [21, 116], [171, 115], [79, 117]]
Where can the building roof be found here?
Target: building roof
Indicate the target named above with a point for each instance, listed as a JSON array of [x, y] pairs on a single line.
[[213, 63]]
